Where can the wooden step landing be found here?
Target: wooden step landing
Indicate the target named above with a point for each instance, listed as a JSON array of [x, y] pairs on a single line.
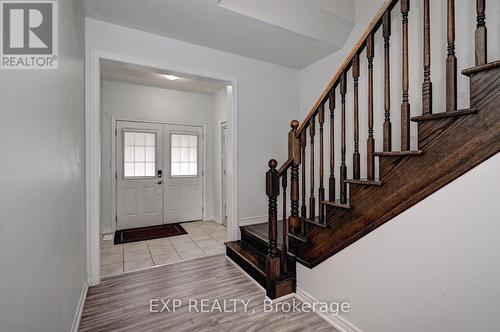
[[443, 115], [478, 69], [364, 182], [399, 153], [314, 222], [299, 238], [337, 204]]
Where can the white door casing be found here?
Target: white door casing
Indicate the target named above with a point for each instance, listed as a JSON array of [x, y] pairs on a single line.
[[139, 190], [224, 129], [183, 190]]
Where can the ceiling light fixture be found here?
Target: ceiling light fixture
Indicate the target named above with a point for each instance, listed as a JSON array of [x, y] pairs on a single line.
[[171, 77]]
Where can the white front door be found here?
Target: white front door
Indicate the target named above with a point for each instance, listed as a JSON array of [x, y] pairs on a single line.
[[183, 199], [138, 174]]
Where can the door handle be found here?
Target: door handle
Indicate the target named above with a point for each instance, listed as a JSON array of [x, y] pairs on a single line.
[[159, 182]]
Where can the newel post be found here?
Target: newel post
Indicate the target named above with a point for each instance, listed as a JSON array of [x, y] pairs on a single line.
[[294, 153], [272, 192]]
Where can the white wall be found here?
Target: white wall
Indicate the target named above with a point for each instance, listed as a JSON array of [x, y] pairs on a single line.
[[429, 269], [266, 94], [42, 217], [124, 101], [222, 108], [432, 268]]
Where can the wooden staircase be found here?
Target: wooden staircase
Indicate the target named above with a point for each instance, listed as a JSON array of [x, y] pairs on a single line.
[[450, 143]]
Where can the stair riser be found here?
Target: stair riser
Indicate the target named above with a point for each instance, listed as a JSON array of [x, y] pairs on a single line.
[[257, 276], [255, 242], [262, 246]]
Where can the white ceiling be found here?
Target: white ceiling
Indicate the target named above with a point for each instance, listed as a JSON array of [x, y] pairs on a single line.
[[293, 33], [128, 73]]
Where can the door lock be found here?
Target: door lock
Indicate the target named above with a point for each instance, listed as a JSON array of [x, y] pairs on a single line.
[[159, 182]]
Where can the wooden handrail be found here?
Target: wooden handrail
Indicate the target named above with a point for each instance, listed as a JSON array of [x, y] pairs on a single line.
[[285, 167], [371, 28]]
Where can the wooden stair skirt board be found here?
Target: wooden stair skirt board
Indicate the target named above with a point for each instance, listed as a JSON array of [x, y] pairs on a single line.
[[451, 146]]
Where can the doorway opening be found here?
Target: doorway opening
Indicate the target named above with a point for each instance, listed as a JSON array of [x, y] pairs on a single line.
[[160, 166]]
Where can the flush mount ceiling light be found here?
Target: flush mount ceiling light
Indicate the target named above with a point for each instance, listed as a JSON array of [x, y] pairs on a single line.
[[171, 77]]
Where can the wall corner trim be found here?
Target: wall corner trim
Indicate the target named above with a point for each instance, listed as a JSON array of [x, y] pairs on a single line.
[[337, 321], [79, 307]]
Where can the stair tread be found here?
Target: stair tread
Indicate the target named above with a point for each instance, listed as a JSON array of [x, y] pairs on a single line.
[[338, 204], [314, 222], [250, 255], [298, 237], [364, 182], [399, 153], [477, 69], [442, 115]]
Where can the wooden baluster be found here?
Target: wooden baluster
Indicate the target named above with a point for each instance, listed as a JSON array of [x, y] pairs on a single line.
[[387, 82], [295, 224], [331, 182], [272, 192], [312, 199], [343, 167], [481, 33], [321, 190], [370, 143], [303, 141], [284, 258], [356, 163], [427, 84], [451, 61], [405, 106]]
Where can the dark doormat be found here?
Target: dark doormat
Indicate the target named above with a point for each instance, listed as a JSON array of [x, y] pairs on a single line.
[[148, 233]]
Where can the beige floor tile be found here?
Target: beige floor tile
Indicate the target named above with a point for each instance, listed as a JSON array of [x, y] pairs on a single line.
[[111, 269], [135, 246], [179, 238], [207, 243], [112, 250], [190, 254], [215, 250], [138, 264], [221, 238], [162, 250], [159, 242], [108, 244], [111, 259], [199, 235], [185, 245], [166, 259], [137, 254]]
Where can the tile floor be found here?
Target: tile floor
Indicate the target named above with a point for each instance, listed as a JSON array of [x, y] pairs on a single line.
[[204, 238]]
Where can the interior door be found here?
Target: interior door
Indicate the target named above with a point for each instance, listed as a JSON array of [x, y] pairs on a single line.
[[183, 177], [139, 167]]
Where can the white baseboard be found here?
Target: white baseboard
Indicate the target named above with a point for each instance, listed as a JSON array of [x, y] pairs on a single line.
[[79, 308], [337, 321], [247, 221]]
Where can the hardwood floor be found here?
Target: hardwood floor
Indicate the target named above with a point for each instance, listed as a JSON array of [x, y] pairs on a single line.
[[122, 303]]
